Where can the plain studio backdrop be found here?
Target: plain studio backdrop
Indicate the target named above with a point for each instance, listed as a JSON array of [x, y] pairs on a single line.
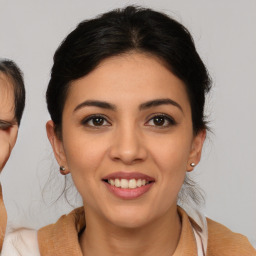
[[224, 34]]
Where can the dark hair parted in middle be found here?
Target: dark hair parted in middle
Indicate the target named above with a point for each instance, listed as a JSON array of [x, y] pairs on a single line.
[[121, 31]]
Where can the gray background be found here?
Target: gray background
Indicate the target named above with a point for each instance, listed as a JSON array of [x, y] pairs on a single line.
[[224, 33]]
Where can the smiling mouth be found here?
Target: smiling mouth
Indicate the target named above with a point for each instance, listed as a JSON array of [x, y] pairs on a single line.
[[127, 183]]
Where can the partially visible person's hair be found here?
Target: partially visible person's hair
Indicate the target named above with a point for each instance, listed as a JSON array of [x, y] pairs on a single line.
[[124, 31], [12, 71]]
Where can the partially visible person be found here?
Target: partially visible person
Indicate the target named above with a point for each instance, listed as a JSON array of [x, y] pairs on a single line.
[[126, 99], [12, 102]]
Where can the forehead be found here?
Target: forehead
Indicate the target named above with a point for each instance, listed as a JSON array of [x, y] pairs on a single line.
[[132, 78], [6, 96], [5, 81]]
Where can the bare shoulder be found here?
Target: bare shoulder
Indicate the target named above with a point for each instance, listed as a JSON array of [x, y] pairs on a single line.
[[21, 242], [222, 241]]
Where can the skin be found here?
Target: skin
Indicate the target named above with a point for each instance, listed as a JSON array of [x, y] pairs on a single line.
[[8, 124], [8, 136], [128, 139]]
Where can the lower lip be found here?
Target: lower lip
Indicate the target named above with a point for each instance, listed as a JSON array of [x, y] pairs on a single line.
[[127, 193]]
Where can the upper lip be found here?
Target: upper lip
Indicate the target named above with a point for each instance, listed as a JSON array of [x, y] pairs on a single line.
[[128, 176]]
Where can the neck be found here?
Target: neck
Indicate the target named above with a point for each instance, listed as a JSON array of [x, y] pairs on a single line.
[[157, 238]]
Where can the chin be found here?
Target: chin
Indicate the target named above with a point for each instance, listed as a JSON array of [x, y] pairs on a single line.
[[129, 217], [131, 223]]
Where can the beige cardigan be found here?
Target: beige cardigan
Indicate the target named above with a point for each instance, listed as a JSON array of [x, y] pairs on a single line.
[[62, 238], [3, 219]]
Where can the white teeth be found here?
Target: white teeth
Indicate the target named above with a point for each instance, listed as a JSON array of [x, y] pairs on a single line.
[[117, 183], [124, 183], [132, 183]]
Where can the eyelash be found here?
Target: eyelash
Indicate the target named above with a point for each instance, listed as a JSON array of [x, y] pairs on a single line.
[[170, 121], [90, 118], [166, 118], [4, 125]]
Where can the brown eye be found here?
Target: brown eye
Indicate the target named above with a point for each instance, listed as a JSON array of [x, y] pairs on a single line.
[[98, 121], [161, 121], [95, 121]]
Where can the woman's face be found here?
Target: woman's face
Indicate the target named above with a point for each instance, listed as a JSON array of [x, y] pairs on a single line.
[[8, 125], [127, 139]]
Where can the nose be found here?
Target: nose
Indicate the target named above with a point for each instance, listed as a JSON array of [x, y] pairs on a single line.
[[128, 146]]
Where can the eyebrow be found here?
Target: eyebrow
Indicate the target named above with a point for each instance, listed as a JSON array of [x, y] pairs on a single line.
[[159, 102], [143, 106], [95, 103]]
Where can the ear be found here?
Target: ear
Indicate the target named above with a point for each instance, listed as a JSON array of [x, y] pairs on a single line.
[[57, 145], [196, 149]]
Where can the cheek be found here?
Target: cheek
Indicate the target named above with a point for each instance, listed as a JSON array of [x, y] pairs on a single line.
[[171, 153], [5, 150], [84, 152], [171, 157], [84, 155]]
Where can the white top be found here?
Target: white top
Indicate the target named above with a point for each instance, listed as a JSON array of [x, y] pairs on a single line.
[[22, 242]]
